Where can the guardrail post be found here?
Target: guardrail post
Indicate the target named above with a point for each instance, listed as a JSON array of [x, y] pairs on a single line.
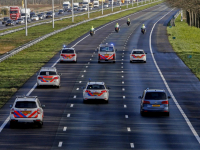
[[53, 12], [26, 17]]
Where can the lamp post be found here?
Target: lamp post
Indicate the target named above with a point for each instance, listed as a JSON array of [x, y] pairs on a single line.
[[72, 11], [53, 12], [112, 5], [26, 17], [88, 10], [102, 6]]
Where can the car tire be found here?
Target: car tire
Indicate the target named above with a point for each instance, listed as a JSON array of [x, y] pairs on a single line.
[[114, 61], [167, 114], [107, 102], [98, 61], [130, 61], [40, 124], [141, 113], [144, 61], [84, 102], [12, 125]]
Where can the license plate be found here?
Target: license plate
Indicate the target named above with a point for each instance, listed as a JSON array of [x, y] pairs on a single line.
[[95, 94], [106, 55], [26, 112], [48, 79], [9, 24], [156, 105]]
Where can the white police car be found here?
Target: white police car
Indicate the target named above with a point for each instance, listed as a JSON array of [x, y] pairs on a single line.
[[106, 52], [26, 109], [48, 76], [138, 55], [68, 54], [95, 90]]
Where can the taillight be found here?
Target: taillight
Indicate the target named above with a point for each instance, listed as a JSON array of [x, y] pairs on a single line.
[[104, 91], [113, 56], [146, 102], [12, 111], [87, 91], [39, 111], [73, 54], [56, 77], [62, 55], [39, 77], [164, 102]]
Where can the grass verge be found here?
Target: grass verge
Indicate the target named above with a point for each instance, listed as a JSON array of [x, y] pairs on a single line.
[[186, 44], [16, 70]]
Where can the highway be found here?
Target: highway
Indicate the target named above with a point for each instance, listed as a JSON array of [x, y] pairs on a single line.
[[70, 124]]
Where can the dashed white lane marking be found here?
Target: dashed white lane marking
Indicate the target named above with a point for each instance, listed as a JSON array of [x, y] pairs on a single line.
[[122, 82], [68, 115], [122, 76], [125, 106], [132, 145], [92, 55], [122, 67], [86, 66], [124, 97], [122, 56], [90, 59], [122, 59], [4, 124], [82, 76], [122, 63], [72, 105], [84, 71], [77, 89], [123, 89], [123, 50], [65, 128], [128, 129], [168, 88], [126, 116], [122, 71], [88, 62], [74, 96], [80, 81], [60, 144], [123, 53]]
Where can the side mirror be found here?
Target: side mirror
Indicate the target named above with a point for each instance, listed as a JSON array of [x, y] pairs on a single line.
[[83, 87], [43, 106], [169, 97], [115, 49], [10, 106], [140, 97]]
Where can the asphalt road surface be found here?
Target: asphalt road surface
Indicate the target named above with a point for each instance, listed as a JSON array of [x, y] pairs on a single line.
[[70, 124]]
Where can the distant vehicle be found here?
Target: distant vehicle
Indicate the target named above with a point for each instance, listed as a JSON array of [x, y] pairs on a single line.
[[48, 76], [69, 10], [79, 8], [35, 18], [28, 19], [85, 3], [138, 55], [41, 17], [114, 3], [10, 23], [90, 6], [23, 15], [20, 21], [84, 8], [15, 12], [68, 54], [106, 52], [154, 100], [94, 91], [31, 14], [49, 15], [26, 109], [105, 5], [60, 11], [96, 4], [5, 19], [44, 15], [76, 5], [66, 5]]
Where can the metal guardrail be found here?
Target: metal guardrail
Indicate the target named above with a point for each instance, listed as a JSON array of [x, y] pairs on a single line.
[[37, 24], [17, 50], [172, 20]]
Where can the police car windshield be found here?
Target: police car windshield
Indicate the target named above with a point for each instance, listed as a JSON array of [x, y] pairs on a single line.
[[138, 52], [47, 73], [25, 104], [95, 86], [155, 96], [67, 51], [106, 49]]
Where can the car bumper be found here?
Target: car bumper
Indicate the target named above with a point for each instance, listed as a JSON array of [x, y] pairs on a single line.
[[63, 59], [86, 97], [165, 109], [54, 83], [31, 120]]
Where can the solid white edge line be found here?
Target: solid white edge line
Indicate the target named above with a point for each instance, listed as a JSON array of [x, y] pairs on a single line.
[[68, 115], [167, 86], [65, 128], [4, 123], [132, 145], [126, 116]]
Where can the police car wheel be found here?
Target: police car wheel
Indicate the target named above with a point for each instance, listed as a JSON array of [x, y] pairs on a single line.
[[130, 61], [106, 102], [98, 61], [167, 114], [144, 61], [84, 101], [40, 125], [113, 61], [141, 113]]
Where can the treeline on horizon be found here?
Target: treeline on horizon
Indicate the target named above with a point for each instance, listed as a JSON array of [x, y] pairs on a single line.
[[191, 8]]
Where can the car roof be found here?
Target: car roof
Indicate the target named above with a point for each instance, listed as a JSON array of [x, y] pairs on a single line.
[[137, 50], [102, 45], [92, 83], [26, 98], [68, 48], [48, 69], [155, 90]]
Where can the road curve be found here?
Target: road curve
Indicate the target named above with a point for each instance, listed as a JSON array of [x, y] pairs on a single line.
[[117, 125]]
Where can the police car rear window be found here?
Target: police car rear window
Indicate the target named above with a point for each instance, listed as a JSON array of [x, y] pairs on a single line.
[[25, 104], [67, 51], [155, 96], [106, 49], [95, 86], [138, 52], [47, 73]]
